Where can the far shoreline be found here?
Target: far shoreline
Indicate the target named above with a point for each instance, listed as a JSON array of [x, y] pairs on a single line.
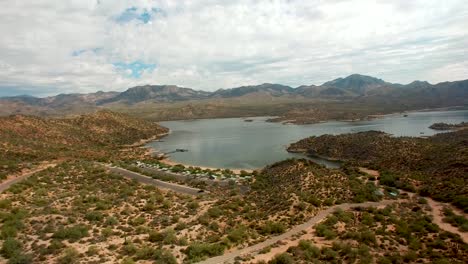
[[168, 161], [291, 122]]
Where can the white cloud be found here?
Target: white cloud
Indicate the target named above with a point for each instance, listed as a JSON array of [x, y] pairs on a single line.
[[211, 44]]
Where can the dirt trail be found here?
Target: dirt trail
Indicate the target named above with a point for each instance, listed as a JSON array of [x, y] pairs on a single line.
[[230, 257], [12, 180], [437, 213], [437, 209]]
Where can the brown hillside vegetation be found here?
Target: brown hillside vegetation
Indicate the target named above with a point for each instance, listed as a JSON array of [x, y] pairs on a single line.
[[399, 233], [26, 139], [435, 166], [293, 189]]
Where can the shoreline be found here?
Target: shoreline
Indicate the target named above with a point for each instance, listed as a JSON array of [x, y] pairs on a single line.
[[170, 162], [166, 160], [291, 121]]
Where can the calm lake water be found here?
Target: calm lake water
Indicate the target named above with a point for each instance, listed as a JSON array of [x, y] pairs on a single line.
[[234, 143]]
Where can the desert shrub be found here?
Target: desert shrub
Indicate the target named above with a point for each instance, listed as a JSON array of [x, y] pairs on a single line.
[[5, 204], [55, 246], [388, 179], [193, 205], [94, 216], [20, 258], [215, 212], [329, 254], [156, 254], [12, 222], [127, 261], [163, 256], [272, 228], [310, 251], [72, 233], [10, 247], [422, 200], [155, 236], [107, 232], [180, 226], [69, 256], [238, 235], [138, 221], [111, 221], [129, 249], [92, 250], [367, 237], [283, 258], [323, 230], [199, 251], [169, 237]]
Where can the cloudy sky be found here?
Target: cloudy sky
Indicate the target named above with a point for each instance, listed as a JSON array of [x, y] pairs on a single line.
[[62, 46]]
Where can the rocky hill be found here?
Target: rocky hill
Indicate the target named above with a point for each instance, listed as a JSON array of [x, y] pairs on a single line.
[[27, 139], [436, 166], [156, 93]]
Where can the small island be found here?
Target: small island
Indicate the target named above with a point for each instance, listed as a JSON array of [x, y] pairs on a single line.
[[445, 126]]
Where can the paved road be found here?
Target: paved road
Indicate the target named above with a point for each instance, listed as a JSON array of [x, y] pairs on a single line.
[[180, 177], [6, 184], [230, 257], [161, 184]]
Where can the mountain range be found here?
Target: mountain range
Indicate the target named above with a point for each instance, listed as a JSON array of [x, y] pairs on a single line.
[[355, 88]]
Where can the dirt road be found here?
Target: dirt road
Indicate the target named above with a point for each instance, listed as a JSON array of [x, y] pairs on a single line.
[[7, 183], [161, 184], [230, 257]]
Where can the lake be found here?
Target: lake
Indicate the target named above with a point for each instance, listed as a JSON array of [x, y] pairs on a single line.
[[234, 143]]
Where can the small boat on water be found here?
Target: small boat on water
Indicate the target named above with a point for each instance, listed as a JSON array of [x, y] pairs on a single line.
[[181, 150]]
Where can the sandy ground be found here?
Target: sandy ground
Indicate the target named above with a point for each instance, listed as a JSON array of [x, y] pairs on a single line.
[[12, 179], [308, 234], [172, 163], [293, 232], [437, 213]]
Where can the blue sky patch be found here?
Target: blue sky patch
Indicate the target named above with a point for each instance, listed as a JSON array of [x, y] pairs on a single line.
[[134, 14], [134, 69], [76, 53]]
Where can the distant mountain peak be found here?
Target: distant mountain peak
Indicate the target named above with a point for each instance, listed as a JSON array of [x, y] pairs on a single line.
[[160, 93], [357, 83]]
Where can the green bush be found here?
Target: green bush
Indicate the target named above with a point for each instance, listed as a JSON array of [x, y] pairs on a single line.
[[193, 205], [323, 230], [20, 258], [10, 247], [94, 216], [238, 235], [200, 251], [310, 251], [111, 221], [283, 258], [69, 256], [272, 228], [158, 255], [215, 212], [155, 236], [72, 233]]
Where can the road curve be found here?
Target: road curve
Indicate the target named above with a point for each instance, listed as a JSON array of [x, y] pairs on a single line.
[[6, 184], [160, 184], [230, 257]]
